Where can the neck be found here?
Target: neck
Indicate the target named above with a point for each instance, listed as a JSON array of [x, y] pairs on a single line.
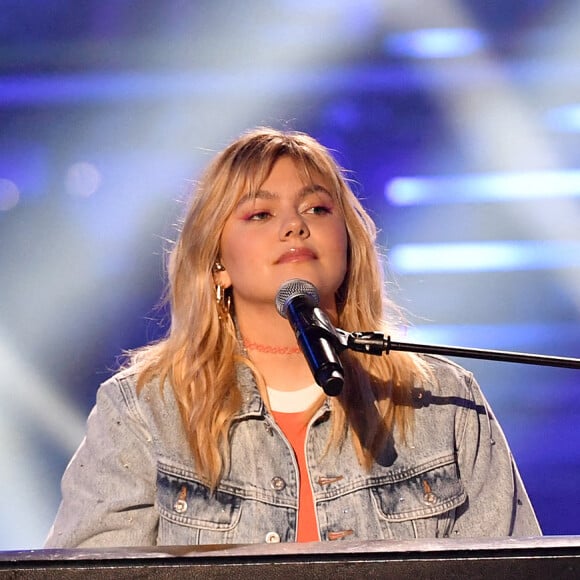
[[271, 346], [264, 327]]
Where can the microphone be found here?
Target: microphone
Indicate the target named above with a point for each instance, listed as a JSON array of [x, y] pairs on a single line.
[[297, 300]]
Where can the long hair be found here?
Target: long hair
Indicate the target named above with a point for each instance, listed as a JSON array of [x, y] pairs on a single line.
[[199, 354]]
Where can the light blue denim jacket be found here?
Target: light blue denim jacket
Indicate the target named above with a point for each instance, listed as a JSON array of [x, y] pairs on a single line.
[[133, 482]]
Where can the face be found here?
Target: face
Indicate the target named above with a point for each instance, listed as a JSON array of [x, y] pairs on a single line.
[[291, 228]]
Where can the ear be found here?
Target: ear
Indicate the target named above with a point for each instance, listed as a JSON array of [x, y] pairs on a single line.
[[221, 276]]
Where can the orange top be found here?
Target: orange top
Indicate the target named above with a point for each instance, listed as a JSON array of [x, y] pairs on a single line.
[[294, 426]]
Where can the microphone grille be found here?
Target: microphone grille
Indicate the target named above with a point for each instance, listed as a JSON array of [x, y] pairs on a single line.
[[292, 288]]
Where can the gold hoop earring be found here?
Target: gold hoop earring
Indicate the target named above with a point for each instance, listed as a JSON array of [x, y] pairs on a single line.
[[223, 301]]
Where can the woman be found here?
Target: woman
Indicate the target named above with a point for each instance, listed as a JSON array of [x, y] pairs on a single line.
[[217, 434]]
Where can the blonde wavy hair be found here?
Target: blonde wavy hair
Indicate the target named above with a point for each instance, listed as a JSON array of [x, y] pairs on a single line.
[[198, 356]]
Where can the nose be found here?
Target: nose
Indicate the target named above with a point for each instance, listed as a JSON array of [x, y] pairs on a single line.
[[294, 226]]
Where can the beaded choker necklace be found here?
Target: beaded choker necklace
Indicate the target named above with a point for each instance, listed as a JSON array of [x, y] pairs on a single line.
[[268, 349]]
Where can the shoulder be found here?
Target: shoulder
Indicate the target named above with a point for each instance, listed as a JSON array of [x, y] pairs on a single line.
[[120, 388], [447, 383], [444, 376], [150, 410], [450, 408], [125, 378], [124, 392]]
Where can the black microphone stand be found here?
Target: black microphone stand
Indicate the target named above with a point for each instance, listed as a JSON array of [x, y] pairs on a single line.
[[376, 343]]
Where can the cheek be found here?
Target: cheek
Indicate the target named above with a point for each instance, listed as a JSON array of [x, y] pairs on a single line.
[[240, 250], [229, 244], [341, 241], [344, 250], [225, 238]]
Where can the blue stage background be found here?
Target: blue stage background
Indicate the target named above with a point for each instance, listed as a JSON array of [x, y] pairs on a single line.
[[460, 121]]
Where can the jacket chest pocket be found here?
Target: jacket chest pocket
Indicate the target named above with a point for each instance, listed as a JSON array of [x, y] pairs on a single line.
[[420, 504], [190, 513]]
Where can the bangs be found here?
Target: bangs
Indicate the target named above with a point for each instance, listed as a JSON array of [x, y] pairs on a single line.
[[252, 165]]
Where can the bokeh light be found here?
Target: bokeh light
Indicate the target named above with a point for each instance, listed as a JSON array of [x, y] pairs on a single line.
[[9, 194]]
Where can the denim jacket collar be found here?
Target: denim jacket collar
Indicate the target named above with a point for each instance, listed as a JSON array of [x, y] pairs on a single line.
[[252, 403]]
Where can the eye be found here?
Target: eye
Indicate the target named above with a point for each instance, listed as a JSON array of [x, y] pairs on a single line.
[[319, 210], [258, 216]]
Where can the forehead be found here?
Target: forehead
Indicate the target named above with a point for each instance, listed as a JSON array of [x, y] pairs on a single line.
[[287, 171], [268, 178]]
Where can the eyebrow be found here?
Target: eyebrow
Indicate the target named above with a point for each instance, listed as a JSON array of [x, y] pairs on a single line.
[[265, 194]]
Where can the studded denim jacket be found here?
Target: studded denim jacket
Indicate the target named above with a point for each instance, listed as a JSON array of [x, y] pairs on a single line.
[[132, 482]]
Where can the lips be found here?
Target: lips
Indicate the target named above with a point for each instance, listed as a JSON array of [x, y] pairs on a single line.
[[296, 255]]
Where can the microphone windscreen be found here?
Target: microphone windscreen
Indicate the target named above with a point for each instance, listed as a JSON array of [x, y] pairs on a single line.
[[292, 288]]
